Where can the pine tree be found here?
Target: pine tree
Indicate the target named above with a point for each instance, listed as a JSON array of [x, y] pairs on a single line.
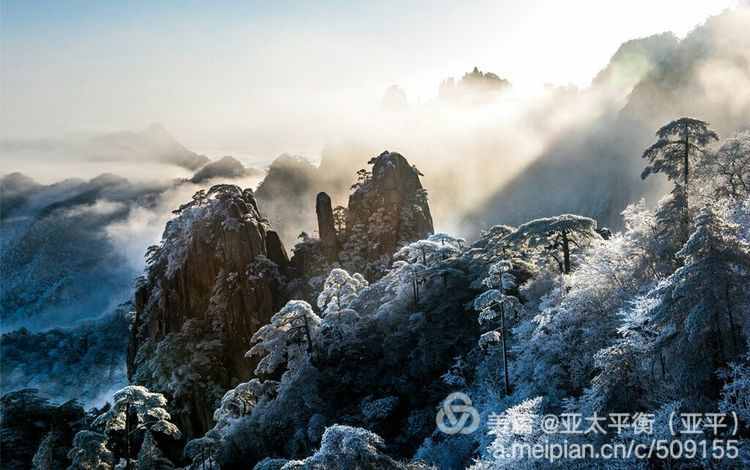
[[136, 409], [44, 456], [495, 306], [731, 167], [697, 310], [150, 457], [287, 339], [90, 452], [735, 396], [339, 290], [556, 234], [680, 145], [515, 426]]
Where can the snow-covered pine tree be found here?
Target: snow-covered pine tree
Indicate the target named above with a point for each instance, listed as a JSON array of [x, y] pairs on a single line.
[[431, 251], [287, 339], [699, 309], [496, 309], [236, 403], [515, 426], [560, 343], [135, 411], [149, 456], [345, 447], [44, 457], [89, 452], [731, 167], [339, 290], [679, 144], [556, 235], [680, 147], [735, 396]]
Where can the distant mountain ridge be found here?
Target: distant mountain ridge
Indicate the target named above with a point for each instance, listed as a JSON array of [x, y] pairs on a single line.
[[151, 144], [593, 169]]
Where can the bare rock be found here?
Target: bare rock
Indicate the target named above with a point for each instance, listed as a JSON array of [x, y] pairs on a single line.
[[387, 209], [213, 281], [326, 227]]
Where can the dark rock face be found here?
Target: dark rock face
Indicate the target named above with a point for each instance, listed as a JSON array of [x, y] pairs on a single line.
[[387, 209], [213, 281], [220, 273], [276, 251], [326, 228]]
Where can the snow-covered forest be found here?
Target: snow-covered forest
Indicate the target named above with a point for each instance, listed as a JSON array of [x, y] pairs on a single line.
[[593, 311]]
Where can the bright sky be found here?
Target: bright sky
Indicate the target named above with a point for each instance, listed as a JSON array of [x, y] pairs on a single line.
[[208, 67]]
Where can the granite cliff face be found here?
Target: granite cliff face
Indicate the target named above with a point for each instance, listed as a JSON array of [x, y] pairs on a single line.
[[387, 209], [220, 273], [216, 277], [326, 226]]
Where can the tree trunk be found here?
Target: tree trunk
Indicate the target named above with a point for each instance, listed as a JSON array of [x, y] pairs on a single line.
[[127, 436], [505, 350], [310, 349], [663, 366], [686, 169], [732, 325], [686, 176], [566, 251]]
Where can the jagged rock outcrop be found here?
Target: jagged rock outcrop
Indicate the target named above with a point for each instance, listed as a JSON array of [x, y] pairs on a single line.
[[216, 277], [387, 209], [276, 251], [220, 273], [326, 227]]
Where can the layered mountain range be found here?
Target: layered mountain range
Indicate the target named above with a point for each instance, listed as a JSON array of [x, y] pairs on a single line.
[[78, 304]]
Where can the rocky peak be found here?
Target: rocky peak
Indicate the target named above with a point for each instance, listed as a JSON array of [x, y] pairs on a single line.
[[220, 273], [215, 278], [387, 208]]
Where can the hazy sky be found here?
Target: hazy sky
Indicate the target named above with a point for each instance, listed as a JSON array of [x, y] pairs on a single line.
[[210, 70]]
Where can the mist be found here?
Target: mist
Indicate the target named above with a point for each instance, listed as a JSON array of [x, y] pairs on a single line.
[[509, 156], [488, 155]]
